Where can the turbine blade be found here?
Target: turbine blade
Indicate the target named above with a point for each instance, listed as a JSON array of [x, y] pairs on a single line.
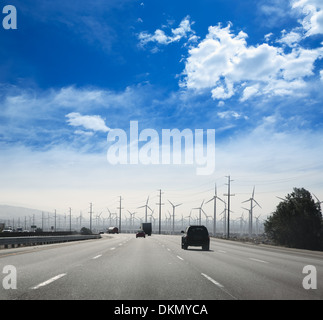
[[171, 203], [257, 203]]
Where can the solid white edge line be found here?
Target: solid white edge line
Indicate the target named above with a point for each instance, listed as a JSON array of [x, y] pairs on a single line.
[[212, 280], [49, 281]]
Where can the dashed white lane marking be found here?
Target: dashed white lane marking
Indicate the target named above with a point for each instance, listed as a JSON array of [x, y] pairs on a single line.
[[218, 285], [45, 283], [112, 248], [212, 280], [222, 251], [262, 261], [179, 257], [96, 257]]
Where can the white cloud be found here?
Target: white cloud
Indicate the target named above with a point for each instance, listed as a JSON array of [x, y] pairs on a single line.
[[268, 36], [223, 61], [249, 92], [231, 114], [290, 39], [94, 123], [313, 12], [159, 36]]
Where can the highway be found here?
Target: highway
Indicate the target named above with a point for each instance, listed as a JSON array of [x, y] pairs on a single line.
[[121, 267]]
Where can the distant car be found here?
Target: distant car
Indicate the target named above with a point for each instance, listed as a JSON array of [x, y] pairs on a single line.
[[141, 234], [7, 230], [196, 236]]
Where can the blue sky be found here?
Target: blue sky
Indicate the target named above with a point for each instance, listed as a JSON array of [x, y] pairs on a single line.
[[251, 70]]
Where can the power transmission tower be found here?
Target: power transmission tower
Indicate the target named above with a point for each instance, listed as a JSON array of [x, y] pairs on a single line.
[[160, 204], [229, 195]]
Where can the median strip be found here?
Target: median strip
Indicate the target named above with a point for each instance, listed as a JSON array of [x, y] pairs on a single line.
[[45, 283]]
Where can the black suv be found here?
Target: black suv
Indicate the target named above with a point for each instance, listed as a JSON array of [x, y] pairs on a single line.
[[196, 236]]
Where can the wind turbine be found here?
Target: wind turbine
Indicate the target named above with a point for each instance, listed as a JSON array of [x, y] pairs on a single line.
[[224, 218], [214, 215], [318, 201], [189, 217], [257, 224], [131, 218], [146, 206], [241, 222], [252, 199], [200, 211], [113, 213], [97, 219], [206, 218], [174, 206]]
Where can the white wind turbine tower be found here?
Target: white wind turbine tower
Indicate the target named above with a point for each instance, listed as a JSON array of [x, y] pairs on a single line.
[[214, 215], [200, 211], [241, 224], [151, 215], [206, 219], [224, 218], [257, 225], [174, 206], [189, 217], [131, 219], [252, 199], [146, 206], [113, 213]]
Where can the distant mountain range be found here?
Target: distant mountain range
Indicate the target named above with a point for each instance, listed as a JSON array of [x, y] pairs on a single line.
[[12, 212]]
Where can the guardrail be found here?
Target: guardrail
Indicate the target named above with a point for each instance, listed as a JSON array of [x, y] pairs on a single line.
[[39, 240]]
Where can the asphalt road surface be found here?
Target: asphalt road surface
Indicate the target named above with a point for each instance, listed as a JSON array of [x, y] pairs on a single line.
[[121, 267]]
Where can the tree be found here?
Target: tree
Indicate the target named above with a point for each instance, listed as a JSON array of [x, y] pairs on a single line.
[[297, 221]]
